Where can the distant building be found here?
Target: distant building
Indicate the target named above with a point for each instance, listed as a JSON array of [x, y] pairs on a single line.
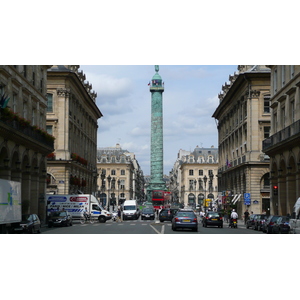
[[120, 176], [72, 115], [24, 142], [193, 177], [244, 121], [283, 145]]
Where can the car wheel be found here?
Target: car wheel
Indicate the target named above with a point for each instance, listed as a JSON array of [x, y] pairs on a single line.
[[102, 219], [173, 228], [161, 220], [31, 230], [39, 230], [221, 226], [49, 225], [71, 224]]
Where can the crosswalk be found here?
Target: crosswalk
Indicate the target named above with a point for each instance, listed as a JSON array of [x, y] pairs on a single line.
[[127, 222]]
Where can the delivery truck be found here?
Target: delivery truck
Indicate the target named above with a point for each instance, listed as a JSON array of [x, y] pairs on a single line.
[[76, 204], [10, 205]]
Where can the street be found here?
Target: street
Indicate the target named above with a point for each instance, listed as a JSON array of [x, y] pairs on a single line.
[[143, 227]]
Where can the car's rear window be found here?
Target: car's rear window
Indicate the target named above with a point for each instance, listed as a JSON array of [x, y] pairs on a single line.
[[213, 215], [185, 214]]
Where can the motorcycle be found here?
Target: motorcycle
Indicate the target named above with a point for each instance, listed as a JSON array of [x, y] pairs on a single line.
[[233, 223]]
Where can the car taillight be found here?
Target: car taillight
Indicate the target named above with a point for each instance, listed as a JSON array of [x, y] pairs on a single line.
[[271, 223], [220, 218], [195, 220], [206, 218], [176, 220]]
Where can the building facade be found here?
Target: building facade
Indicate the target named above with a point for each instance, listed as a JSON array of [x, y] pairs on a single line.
[[120, 176], [244, 122], [193, 178], [72, 116], [283, 146], [24, 142]]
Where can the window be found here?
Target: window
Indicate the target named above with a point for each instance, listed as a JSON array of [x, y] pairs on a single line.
[[113, 172], [292, 70], [49, 129], [267, 104], [122, 184], [49, 102], [293, 111], [191, 172], [210, 172], [200, 172], [275, 81], [282, 117], [267, 131], [283, 75], [122, 172], [210, 159]]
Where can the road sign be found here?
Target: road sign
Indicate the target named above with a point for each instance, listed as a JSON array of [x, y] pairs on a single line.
[[246, 196]]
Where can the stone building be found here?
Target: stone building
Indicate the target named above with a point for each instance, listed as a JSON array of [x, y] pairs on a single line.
[[283, 145], [72, 115], [24, 142], [120, 176], [244, 121], [193, 177]]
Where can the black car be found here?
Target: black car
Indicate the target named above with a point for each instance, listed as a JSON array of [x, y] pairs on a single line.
[[60, 218], [167, 214], [250, 221], [268, 225], [258, 221], [212, 218], [148, 213], [282, 225], [185, 219], [30, 224]]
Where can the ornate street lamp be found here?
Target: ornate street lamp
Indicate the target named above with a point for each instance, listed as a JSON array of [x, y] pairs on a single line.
[[119, 182], [211, 177], [205, 180], [113, 182], [102, 187], [109, 179]]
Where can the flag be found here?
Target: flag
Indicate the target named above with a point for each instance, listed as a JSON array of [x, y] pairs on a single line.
[[228, 163], [149, 83]]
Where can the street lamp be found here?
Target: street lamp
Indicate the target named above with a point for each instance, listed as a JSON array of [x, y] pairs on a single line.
[[113, 182], [211, 177], [205, 180], [109, 179], [102, 187], [119, 182]]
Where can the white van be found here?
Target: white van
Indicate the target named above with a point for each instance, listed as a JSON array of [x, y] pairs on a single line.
[[131, 210]]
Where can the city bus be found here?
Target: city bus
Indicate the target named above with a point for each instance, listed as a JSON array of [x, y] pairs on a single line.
[[160, 199]]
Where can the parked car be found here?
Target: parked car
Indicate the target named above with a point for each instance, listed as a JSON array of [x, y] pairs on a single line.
[[148, 213], [60, 218], [250, 221], [167, 214], [30, 224], [212, 218], [185, 219], [258, 221], [282, 225], [269, 223]]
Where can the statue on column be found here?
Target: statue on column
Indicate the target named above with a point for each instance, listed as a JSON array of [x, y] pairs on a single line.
[[156, 68]]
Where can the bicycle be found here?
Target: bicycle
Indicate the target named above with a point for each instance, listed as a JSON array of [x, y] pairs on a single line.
[[87, 217]]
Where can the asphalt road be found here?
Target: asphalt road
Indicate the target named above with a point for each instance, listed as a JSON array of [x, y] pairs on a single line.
[[141, 227]]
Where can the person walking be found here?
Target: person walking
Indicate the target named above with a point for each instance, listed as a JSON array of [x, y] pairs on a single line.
[[119, 215], [246, 216]]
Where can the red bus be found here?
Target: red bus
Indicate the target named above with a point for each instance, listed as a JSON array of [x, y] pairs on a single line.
[[160, 199]]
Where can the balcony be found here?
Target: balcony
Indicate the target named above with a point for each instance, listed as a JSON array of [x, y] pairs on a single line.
[[23, 128], [288, 133]]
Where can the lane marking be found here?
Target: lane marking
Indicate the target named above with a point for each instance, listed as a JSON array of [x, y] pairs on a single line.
[[155, 229]]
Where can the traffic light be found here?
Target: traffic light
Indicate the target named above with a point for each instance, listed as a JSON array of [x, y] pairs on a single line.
[[275, 190]]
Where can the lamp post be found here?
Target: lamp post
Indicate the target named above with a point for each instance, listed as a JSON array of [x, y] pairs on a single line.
[[119, 182], [108, 202], [205, 180], [211, 177], [102, 187], [113, 182]]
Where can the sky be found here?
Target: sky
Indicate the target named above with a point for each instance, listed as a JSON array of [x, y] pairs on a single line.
[[189, 100]]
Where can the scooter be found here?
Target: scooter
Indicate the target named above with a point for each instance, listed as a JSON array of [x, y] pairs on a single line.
[[233, 223]]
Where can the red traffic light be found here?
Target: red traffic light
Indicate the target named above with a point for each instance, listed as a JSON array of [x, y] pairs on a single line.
[[275, 187]]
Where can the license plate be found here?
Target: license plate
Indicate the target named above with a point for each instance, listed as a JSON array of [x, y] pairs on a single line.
[[187, 221], [147, 216], [214, 219]]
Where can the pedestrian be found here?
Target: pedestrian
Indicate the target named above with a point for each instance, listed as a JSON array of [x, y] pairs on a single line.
[[226, 216], [119, 215], [246, 216]]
